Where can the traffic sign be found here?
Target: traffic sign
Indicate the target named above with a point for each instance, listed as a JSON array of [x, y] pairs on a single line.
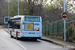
[[64, 19], [64, 14]]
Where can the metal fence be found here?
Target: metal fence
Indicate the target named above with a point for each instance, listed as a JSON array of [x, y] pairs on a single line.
[[54, 28]]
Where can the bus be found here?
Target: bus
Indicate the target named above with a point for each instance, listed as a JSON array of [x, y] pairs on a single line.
[[25, 26]]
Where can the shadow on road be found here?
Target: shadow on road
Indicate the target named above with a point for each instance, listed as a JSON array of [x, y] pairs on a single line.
[[28, 40]]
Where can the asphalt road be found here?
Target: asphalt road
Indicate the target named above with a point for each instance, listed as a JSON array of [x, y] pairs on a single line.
[[7, 43]]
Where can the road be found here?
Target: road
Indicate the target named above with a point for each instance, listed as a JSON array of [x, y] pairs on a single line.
[[7, 43]]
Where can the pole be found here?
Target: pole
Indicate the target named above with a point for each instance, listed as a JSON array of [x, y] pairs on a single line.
[[8, 14], [64, 25], [64, 5], [64, 30], [18, 7]]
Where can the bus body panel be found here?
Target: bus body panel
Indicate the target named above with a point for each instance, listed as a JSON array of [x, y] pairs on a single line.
[[14, 31]]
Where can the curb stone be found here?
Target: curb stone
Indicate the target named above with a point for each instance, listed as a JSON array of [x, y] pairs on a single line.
[[72, 48]]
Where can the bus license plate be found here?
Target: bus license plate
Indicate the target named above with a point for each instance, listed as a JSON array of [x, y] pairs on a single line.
[[31, 33]]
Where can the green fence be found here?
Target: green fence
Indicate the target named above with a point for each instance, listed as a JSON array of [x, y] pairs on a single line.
[[55, 28]]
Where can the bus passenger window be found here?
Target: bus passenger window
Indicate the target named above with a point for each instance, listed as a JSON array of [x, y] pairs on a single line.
[[17, 26]]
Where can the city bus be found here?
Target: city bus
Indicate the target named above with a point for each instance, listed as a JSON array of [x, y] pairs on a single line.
[[25, 26]]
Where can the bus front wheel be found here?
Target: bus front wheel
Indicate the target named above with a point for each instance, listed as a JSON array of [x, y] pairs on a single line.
[[11, 34], [17, 36]]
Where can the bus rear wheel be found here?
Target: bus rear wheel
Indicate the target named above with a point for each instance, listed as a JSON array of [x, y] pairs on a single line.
[[11, 35]]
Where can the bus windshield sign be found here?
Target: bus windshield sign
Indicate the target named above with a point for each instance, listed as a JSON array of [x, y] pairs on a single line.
[[18, 22]]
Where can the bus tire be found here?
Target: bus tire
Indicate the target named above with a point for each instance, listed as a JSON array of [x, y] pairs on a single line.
[[11, 35], [17, 36]]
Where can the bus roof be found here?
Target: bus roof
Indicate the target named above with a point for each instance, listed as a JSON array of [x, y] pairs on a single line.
[[19, 16], [25, 15]]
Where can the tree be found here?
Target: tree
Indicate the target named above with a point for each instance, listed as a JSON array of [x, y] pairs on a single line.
[[2, 7], [23, 9], [36, 7]]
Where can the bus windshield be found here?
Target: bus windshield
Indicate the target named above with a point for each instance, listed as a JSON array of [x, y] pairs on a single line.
[[34, 19]]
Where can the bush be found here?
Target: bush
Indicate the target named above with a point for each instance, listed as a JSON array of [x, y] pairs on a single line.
[[70, 33]]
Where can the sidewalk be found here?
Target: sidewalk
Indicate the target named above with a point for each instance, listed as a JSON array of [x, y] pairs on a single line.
[[57, 42], [61, 43]]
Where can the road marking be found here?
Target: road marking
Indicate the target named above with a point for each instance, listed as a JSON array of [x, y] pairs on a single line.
[[20, 45]]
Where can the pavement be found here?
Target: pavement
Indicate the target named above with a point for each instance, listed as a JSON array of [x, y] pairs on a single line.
[[61, 43], [7, 43], [57, 42]]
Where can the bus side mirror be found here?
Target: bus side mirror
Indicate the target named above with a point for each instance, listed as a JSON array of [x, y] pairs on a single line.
[[9, 21]]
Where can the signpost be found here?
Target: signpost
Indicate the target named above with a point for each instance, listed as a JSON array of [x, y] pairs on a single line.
[[18, 7], [8, 14], [64, 15]]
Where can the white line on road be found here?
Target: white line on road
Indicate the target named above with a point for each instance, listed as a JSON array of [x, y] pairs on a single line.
[[20, 45]]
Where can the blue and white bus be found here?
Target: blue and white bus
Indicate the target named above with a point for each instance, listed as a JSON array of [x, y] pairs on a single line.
[[25, 26]]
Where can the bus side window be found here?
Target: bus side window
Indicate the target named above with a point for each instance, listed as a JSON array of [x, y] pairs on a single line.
[[18, 26], [10, 27], [15, 27]]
